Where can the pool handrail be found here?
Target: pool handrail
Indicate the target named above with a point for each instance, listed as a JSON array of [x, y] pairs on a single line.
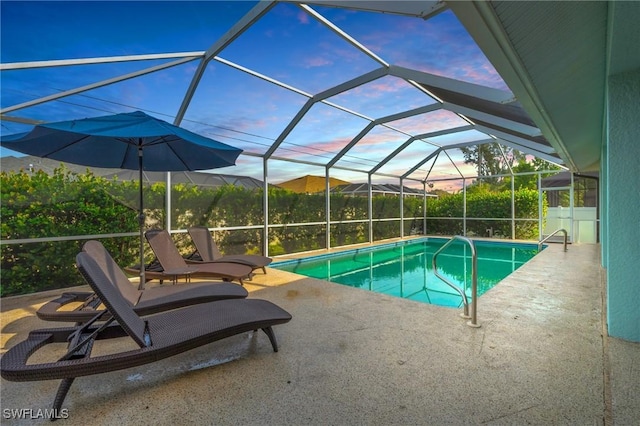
[[474, 279], [551, 235]]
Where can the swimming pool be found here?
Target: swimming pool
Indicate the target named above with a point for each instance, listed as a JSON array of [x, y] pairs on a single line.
[[404, 269]]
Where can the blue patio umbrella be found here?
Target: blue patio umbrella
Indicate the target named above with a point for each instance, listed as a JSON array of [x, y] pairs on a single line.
[[134, 141]]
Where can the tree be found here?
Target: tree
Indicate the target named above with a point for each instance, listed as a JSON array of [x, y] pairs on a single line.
[[528, 181], [491, 159]]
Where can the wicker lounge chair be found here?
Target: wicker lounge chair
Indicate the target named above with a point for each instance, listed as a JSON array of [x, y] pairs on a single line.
[[207, 251], [157, 336], [144, 302], [174, 265]]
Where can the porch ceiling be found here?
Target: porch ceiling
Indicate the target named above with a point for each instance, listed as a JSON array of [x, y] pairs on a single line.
[[556, 57]]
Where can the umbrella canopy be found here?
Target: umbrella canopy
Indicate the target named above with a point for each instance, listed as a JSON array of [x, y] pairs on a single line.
[[134, 141], [114, 141], [310, 184]]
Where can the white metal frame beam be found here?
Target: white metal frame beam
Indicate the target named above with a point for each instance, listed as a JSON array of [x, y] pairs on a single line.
[[470, 113], [422, 9], [470, 89], [96, 85], [234, 32], [422, 138]]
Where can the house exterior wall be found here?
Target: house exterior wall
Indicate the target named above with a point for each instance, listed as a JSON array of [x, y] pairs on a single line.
[[622, 205]]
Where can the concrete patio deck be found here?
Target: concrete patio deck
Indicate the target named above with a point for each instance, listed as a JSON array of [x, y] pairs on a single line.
[[351, 357]]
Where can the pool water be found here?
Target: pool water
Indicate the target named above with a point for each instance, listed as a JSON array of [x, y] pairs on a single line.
[[404, 269]]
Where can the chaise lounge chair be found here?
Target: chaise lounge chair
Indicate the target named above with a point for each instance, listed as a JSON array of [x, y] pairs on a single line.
[[207, 251], [174, 265], [144, 302], [158, 336]]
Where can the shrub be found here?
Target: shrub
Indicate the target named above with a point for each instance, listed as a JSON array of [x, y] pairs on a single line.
[[62, 204], [486, 204], [38, 205]]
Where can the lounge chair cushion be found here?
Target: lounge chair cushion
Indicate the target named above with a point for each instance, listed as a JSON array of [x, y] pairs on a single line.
[[167, 254], [207, 251], [145, 302]]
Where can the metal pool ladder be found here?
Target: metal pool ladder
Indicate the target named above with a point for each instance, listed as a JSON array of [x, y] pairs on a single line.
[[474, 280], [551, 235]]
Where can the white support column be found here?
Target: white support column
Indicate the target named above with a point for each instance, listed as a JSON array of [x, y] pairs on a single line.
[[513, 207], [328, 208], [572, 235], [540, 208], [167, 197], [370, 195], [401, 208], [265, 207], [464, 207], [424, 208]]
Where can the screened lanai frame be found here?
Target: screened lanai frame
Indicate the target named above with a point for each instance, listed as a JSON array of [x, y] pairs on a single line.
[[494, 113]]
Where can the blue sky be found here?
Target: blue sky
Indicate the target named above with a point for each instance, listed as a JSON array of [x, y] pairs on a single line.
[[287, 45]]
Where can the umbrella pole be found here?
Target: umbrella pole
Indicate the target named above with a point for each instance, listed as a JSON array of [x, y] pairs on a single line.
[[141, 221]]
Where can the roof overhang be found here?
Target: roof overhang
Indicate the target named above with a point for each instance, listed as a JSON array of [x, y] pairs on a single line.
[[552, 55]]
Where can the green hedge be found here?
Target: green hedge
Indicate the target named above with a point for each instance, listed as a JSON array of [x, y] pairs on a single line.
[[38, 205], [486, 205]]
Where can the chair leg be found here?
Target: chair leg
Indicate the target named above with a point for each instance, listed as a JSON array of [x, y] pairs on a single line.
[[61, 394], [272, 338], [80, 346]]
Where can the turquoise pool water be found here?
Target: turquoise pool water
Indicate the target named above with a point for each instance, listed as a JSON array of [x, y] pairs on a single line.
[[404, 269]]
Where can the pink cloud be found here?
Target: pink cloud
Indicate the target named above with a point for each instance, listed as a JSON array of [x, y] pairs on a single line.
[[303, 18], [345, 54], [326, 147], [373, 90], [430, 122], [316, 62], [387, 85]]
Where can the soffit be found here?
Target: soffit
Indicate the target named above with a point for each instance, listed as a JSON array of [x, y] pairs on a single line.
[[553, 56]]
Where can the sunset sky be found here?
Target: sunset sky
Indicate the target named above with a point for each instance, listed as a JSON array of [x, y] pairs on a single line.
[[287, 45]]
